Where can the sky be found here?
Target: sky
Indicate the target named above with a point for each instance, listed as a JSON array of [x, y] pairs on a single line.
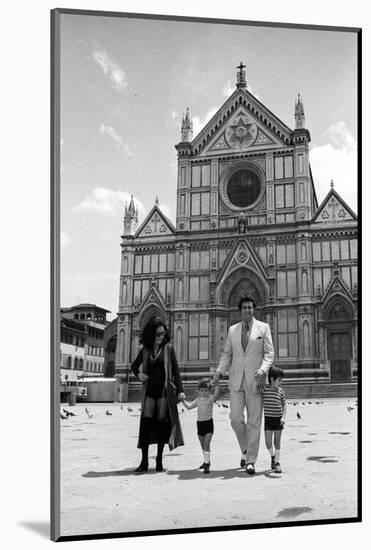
[[125, 84]]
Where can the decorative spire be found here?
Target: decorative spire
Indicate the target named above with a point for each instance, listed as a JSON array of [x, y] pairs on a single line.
[[131, 205], [187, 128], [241, 76], [130, 217], [332, 184], [299, 113]]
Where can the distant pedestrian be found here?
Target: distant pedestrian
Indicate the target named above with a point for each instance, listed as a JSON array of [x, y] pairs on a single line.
[[275, 409], [205, 423], [157, 368]]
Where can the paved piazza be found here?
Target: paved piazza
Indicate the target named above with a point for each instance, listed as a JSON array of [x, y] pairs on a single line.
[[101, 494]]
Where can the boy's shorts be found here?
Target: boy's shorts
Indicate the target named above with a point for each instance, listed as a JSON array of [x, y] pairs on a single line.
[[272, 423], [205, 427]]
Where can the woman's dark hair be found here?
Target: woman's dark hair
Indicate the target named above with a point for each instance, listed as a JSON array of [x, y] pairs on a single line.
[[204, 383], [274, 373], [244, 299], [148, 336]]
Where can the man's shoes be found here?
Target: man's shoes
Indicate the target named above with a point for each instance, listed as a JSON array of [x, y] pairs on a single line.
[[277, 468], [243, 460], [207, 468], [273, 462], [250, 468], [202, 466]]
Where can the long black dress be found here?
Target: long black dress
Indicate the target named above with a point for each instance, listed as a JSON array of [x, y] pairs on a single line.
[[163, 382]]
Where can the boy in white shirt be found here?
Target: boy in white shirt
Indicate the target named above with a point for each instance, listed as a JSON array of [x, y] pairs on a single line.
[[205, 424]]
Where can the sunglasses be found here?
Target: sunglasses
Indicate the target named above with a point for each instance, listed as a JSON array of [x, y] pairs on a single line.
[[158, 334]]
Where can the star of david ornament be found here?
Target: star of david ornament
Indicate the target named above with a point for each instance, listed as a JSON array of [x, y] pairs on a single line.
[[241, 132]]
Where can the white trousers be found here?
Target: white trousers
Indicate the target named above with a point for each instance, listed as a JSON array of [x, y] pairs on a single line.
[[248, 433]]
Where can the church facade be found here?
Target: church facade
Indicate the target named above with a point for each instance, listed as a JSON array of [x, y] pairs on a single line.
[[247, 222]]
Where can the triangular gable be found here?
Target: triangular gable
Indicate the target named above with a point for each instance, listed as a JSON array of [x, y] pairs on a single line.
[[241, 121], [336, 286], [152, 297], [242, 255], [333, 209], [155, 224], [240, 132]]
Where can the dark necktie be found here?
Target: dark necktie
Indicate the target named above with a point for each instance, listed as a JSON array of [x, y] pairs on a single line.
[[245, 335]]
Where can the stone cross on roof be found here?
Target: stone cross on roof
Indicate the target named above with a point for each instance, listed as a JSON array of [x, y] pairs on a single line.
[[241, 76]]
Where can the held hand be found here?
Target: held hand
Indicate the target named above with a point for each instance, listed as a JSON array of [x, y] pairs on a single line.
[[217, 376], [283, 421], [259, 377], [181, 396], [142, 376]]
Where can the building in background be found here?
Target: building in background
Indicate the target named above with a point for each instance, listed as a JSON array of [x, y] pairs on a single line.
[[72, 350], [92, 320], [248, 222]]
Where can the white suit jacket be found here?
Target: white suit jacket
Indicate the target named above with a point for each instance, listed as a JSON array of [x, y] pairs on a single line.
[[259, 354]]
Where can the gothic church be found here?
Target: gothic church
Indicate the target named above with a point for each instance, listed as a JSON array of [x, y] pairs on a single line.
[[248, 222]]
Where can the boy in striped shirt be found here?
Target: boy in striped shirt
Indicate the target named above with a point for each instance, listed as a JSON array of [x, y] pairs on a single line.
[[275, 409]]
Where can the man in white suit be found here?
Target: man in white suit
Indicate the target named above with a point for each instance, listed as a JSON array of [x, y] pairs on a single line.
[[248, 355]]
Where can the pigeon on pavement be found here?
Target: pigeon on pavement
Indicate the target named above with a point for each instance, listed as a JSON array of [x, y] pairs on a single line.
[[298, 415]]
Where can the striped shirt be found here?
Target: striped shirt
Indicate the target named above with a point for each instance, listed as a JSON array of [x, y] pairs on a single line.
[[273, 401]]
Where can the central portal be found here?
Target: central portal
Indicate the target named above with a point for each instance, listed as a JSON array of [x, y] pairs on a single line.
[[245, 286]]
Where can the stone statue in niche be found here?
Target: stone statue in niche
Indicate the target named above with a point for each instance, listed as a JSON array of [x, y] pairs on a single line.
[[271, 260]]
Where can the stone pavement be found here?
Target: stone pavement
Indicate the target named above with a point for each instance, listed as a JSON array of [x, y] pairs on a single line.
[[101, 494]]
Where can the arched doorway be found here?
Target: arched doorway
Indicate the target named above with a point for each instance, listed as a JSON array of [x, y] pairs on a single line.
[[242, 282], [111, 354], [152, 311], [338, 318]]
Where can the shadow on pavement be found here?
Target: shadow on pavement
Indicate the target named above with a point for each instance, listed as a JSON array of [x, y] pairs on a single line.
[[116, 473], [294, 512], [223, 474]]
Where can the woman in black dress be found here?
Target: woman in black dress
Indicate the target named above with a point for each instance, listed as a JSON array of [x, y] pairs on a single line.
[[157, 368]]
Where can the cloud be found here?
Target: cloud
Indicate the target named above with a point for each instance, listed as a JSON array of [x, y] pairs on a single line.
[[337, 161], [340, 137], [200, 122], [65, 240], [110, 132], [228, 89], [111, 69], [109, 202]]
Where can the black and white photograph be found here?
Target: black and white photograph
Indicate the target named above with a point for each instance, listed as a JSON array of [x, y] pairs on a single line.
[[206, 191]]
